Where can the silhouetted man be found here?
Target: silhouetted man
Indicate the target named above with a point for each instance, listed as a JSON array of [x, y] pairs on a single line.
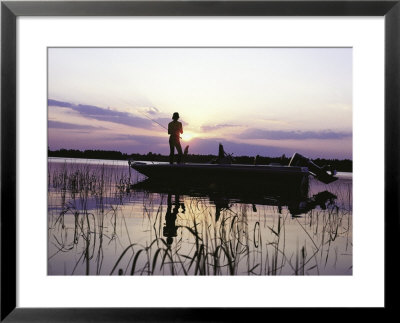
[[169, 230], [175, 130]]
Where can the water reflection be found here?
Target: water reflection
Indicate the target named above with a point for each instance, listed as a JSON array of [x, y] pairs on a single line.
[[104, 220], [222, 197], [322, 200], [170, 228]]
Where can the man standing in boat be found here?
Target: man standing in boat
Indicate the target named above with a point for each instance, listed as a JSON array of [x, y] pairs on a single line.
[[175, 130]]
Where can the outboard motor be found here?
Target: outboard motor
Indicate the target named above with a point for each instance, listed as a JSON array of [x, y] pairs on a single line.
[[223, 157], [321, 173]]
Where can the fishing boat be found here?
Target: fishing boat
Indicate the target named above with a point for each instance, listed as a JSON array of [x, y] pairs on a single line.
[[294, 176], [222, 173]]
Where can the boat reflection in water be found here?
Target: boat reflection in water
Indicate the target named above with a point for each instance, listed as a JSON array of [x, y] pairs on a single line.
[[223, 197], [103, 221]]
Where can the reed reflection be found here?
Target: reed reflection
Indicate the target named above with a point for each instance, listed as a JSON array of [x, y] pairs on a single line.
[[99, 223], [222, 197]]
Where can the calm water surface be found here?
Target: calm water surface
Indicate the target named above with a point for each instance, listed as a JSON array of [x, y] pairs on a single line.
[[101, 223]]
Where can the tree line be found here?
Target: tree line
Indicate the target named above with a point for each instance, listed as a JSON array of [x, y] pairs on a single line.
[[341, 165]]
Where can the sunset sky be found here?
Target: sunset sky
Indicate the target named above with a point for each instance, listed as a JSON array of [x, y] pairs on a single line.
[[265, 101]]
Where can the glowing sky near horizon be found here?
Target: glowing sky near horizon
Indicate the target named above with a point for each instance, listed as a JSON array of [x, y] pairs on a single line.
[[266, 101]]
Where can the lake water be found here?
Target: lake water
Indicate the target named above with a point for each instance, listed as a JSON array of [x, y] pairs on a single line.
[[101, 223]]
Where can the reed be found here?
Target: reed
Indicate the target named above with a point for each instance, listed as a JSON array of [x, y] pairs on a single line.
[[99, 225]]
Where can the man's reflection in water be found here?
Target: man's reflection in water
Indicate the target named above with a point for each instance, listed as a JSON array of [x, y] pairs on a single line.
[[169, 229]]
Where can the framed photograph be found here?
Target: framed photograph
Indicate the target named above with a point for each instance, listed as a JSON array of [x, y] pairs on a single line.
[[194, 158]]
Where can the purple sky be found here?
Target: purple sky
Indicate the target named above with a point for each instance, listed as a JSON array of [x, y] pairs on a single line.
[[266, 101]]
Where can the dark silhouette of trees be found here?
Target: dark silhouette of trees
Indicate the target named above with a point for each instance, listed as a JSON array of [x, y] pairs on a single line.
[[345, 165]]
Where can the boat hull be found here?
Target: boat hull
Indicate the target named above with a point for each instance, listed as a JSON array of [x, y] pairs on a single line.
[[252, 176]]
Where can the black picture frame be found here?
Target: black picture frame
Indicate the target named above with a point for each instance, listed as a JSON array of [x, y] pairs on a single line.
[[10, 10]]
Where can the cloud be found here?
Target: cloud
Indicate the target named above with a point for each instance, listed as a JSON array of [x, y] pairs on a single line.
[[152, 110], [210, 146], [64, 125], [135, 142], [159, 145], [56, 103], [164, 121], [146, 141], [124, 143], [101, 114], [217, 126], [294, 135]]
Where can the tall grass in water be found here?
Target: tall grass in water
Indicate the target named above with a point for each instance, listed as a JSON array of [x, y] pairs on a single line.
[[233, 245], [90, 225], [91, 196]]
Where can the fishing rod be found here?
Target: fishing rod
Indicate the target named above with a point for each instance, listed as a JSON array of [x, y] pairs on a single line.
[[130, 104], [186, 148], [153, 120], [149, 117]]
